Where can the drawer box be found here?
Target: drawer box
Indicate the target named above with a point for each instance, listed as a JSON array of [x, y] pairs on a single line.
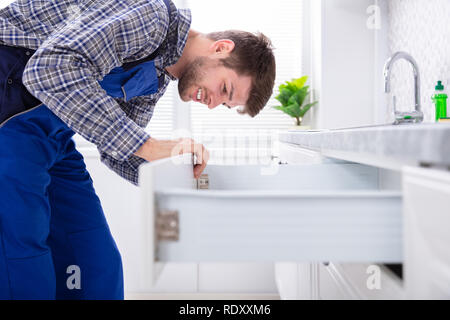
[[299, 213]]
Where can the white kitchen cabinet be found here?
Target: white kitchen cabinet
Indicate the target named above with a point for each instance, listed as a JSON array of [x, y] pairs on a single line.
[[297, 281], [332, 284], [292, 154], [121, 204], [337, 281], [334, 280], [296, 213], [426, 258], [350, 281], [427, 237], [237, 278]]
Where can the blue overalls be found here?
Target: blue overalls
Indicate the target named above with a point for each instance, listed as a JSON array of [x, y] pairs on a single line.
[[52, 226]]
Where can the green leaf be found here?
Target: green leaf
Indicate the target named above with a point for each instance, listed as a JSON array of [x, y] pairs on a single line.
[[294, 110], [288, 86], [300, 82], [299, 96], [305, 108], [294, 84], [284, 96], [283, 108]]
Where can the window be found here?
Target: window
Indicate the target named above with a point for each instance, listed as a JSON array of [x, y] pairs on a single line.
[[230, 136], [162, 122]]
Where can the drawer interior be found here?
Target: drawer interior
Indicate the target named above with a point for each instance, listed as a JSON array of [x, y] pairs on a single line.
[[320, 212], [293, 177]]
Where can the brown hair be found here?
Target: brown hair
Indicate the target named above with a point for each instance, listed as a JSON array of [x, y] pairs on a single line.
[[252, 55]]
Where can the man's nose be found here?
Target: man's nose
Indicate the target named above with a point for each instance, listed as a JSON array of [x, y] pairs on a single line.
[[216, 100], [214, 103]]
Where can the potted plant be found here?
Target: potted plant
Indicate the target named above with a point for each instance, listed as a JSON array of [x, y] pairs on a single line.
[[292, 95]]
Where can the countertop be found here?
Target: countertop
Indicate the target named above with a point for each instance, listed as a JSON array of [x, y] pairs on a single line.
[[392, 145]]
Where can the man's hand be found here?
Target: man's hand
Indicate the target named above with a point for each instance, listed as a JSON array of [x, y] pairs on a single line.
[[154, 149]]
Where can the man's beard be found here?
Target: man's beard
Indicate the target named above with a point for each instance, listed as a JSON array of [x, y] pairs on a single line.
[[194, 73]]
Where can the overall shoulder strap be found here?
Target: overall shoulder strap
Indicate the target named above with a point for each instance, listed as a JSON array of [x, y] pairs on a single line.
[[132, 64]]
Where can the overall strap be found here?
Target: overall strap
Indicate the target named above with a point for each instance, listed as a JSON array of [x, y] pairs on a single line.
[[129, 65]]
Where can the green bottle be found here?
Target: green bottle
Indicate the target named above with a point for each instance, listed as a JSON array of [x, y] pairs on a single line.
[[440, 100]]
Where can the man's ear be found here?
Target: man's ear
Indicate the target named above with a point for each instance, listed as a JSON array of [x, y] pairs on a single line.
[[223, 46]]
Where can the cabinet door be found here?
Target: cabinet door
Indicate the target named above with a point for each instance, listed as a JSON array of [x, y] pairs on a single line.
[[301, 213], [343, 281], [427, 237]]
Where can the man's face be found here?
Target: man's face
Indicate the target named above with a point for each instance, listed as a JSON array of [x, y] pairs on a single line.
[[207, 81]]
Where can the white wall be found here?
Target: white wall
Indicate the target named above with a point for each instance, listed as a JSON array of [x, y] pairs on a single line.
[[343, 63], [382, 112]]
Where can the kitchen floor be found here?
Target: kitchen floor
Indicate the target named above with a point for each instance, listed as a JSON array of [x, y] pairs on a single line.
[[200, 296]]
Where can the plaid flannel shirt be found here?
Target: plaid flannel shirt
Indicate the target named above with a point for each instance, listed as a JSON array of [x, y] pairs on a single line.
[[77, 43]]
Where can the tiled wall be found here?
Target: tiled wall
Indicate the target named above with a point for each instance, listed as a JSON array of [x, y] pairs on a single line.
[[421, 28]]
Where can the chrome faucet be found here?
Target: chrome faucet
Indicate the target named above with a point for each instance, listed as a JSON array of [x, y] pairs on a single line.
[[415, 116]]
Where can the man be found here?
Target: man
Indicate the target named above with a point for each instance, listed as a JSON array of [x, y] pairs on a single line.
[[97, 68]]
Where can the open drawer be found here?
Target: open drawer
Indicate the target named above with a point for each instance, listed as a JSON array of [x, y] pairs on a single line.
[[302, 213]]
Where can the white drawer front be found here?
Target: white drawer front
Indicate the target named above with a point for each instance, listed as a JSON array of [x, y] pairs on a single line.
[[304, 213], [427, 238], [320, 226]]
